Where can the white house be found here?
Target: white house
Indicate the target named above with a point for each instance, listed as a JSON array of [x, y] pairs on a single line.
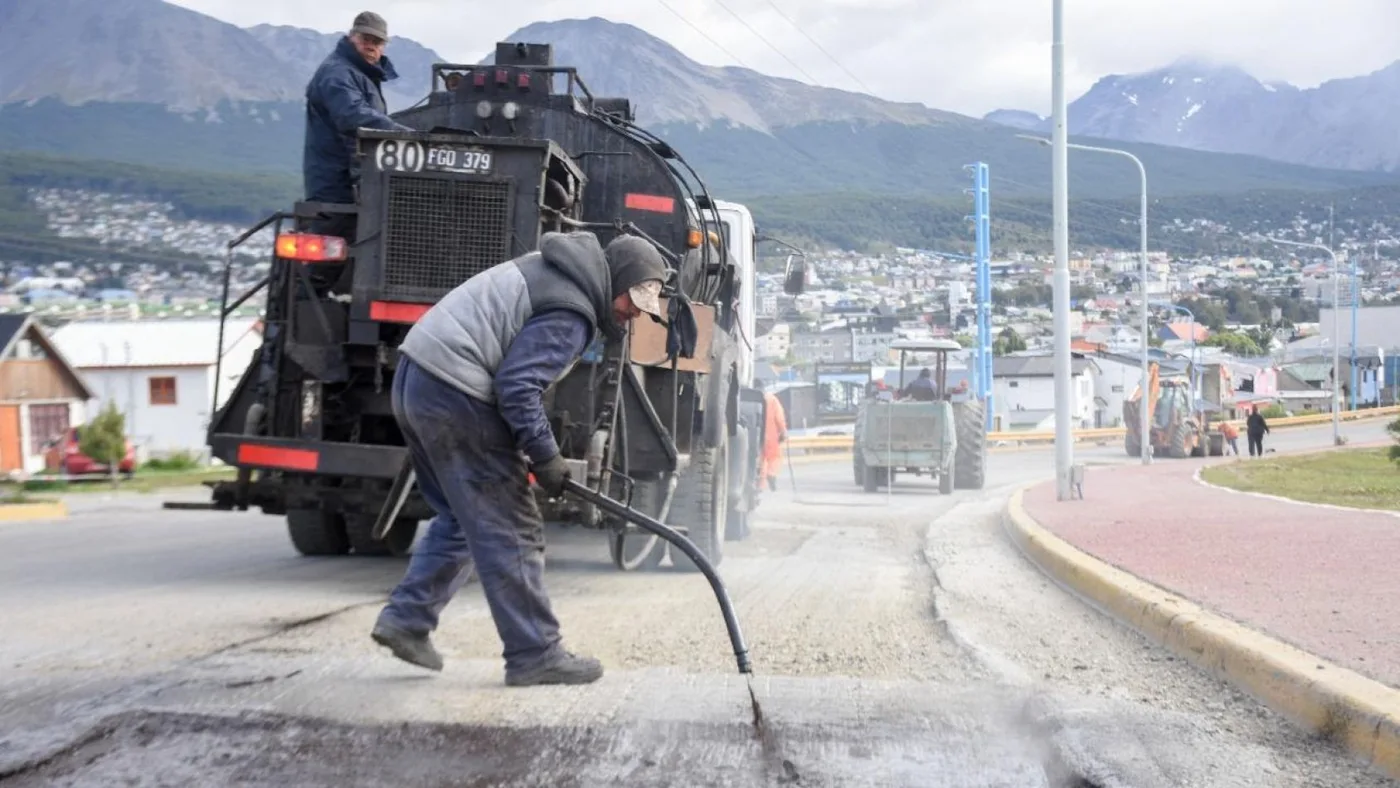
[[1027, 384], [160, 373]]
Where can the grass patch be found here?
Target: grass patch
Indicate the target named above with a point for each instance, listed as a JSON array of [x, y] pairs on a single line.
[[1362, 478], [145, 480]]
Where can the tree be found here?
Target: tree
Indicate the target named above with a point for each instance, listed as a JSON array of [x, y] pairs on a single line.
[[1008, 341], [1234, 343], [104, 439]]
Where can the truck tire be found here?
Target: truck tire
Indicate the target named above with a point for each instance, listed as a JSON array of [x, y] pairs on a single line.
[[396, 543], [970, 462], [317, 532], [858, 467], [946, 481], [701, 505], [640, 551]]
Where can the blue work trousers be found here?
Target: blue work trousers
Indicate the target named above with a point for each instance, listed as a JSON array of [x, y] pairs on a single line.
[[471, 473]]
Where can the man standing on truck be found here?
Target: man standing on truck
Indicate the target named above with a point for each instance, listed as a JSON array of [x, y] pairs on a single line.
[[468, 396], [344, 95]]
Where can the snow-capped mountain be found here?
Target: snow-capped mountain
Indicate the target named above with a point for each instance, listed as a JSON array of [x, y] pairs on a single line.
[[1345, 123]]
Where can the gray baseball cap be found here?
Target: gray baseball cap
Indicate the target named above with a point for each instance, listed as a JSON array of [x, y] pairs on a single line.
[[371, 24]]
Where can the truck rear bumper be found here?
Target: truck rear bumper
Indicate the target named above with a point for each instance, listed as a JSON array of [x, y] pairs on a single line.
[[324, 458]]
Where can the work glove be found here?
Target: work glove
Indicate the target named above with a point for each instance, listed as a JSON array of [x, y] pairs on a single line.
[[551, 475]]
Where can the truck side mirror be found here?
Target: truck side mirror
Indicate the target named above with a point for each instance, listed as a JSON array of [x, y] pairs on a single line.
[[795, 277]]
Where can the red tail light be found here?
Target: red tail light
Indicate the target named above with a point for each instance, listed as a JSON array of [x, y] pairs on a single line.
[[479, 79], [310, 248], [523, 81], [502, 76]]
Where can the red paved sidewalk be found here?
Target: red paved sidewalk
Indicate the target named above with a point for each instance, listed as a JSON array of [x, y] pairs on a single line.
[[1325, 580]]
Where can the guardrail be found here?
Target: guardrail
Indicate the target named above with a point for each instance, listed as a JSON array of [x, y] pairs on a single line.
[[835, 443]]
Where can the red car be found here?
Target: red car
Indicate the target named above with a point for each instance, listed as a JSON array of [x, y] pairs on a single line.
[[63, 456]]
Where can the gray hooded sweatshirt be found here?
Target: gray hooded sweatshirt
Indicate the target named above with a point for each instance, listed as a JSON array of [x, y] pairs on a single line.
[[464, 337]]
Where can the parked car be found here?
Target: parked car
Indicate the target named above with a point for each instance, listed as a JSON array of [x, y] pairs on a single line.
[[62, 455]]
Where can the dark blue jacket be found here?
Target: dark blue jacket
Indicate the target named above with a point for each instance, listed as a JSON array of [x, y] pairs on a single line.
[[547, 345], [342, 96]]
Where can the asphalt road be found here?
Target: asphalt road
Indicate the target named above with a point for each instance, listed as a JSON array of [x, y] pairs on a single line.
[[897, 639]]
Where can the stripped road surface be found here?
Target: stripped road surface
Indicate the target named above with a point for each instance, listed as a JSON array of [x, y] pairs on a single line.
[[898, 639]]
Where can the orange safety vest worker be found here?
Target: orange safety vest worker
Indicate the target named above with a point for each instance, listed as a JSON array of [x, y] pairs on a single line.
[[774, 433]]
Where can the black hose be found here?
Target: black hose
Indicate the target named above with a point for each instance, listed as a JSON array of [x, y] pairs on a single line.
[[616, 509]]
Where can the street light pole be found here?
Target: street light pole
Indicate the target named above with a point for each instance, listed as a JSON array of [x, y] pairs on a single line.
[[1059, 178], [1336, 334], [1144, 416]]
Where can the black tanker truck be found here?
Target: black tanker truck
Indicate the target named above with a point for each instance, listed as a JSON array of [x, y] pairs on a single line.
[[665, 419]]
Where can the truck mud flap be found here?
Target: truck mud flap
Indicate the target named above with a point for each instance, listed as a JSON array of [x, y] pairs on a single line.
[[322, 458]]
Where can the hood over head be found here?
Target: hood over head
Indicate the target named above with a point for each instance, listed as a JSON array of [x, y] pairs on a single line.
[[578, 257]]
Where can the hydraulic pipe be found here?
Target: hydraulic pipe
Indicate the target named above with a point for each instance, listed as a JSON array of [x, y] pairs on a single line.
[[617, 509]]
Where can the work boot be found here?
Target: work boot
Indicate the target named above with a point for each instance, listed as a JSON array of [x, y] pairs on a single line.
[[564, 668], [413, 649]]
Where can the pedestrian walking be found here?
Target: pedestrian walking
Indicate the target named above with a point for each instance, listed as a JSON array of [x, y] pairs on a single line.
[[1255, 429]]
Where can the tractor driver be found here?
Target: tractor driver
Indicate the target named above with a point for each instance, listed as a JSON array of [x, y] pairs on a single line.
[[344, 95], [468, 396], [922, 388]]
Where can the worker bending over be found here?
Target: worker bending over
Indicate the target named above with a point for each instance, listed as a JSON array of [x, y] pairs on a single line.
[[468, 396]]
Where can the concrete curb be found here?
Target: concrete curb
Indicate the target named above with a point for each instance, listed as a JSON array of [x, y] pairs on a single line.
[[1360, 714], [26, 512]]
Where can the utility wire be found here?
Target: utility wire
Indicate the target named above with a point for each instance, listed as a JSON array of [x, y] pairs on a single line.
[[760, 37], [703, 34], [821, 48]]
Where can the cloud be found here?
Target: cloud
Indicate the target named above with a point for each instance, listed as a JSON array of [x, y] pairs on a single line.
[[961, 56]]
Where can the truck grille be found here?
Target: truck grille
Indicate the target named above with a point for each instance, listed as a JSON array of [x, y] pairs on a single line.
[[441, 233]]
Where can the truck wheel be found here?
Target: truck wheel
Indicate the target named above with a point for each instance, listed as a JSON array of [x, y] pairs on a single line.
[[702, 504], [639, 551], [970, 462], [945, 481], [396, 543], [858, 467], [317, 532]]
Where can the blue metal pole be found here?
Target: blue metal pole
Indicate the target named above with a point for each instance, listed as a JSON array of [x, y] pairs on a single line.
[[982, 191]]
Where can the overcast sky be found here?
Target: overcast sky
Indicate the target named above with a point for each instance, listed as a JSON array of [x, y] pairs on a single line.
[[968, 56]]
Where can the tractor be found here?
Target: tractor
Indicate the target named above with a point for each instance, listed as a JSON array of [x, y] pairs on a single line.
[[921, 435]]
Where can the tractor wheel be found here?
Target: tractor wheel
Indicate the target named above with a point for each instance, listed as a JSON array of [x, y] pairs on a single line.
[[639, 551], [396, 543], [946, 481], [701, 504], [872, 478], [1180, 442], [317, 532], [970, 462]]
